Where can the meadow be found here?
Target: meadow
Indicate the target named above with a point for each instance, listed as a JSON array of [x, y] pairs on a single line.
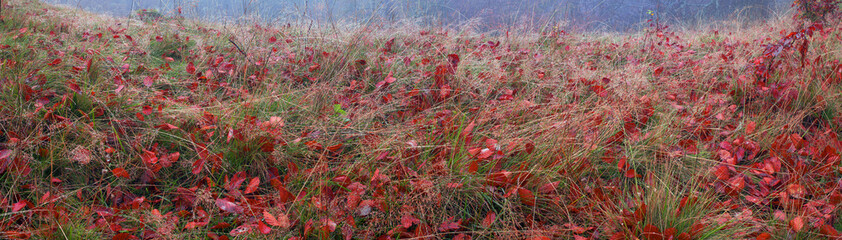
[[169, 128]]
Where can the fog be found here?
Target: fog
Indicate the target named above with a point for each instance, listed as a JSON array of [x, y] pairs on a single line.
[[616, 15]]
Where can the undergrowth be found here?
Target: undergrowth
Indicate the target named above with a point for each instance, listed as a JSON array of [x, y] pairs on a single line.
[[170, 128]]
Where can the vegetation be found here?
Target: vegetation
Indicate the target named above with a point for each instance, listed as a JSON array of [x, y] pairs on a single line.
[[170, 128]]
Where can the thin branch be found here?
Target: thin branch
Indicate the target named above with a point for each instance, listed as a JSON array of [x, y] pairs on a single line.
[[238, 47], [246, 56]]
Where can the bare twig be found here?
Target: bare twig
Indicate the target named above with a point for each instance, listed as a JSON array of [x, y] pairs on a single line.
[[238, 47], [246, 56]]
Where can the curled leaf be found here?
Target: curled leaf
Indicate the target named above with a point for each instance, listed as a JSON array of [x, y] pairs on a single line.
[[228, 206]]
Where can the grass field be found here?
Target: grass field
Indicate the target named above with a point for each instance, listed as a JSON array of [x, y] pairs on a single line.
[[116, 128]]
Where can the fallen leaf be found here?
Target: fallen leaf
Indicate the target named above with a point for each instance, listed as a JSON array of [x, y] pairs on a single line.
[[263, 228], [123, 236], [526, 196], [407, 220], [750, 127], [18, 206], [228, 206], [281, 221], [242, 229], [166, 127], [55, 62], [81, 155], [489, 219], [191, 69], [829, 231], [120, 172], [148, 81], [796, 224], [652, 232], [252, 186]]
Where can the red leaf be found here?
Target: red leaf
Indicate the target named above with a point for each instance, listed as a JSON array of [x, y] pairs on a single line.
[[120, 172], [191, 69], [148, 81], [18, 206], [652, 232], [166, 127], [737, 183], [764, 236], [263, 228], [721, 172], [5, 153], [253, 183], [228, 206], [407, 220], [449, 225], [285, 195], [81, 155], [828, 230], [147, 110], [197, 165], [538, 238], [796, 224], [273, 39], [148, 157], [489, 219], [485, 153], [526, 196], [242, 229], [390, 79], [795, 190], [328, 225], [631, 173], [221, 225], [44, 198], [549, 188], [281, 221], [123, 236], [193, 225], [780, 215], [335, 148], [473, 166], [750, 127], [658, 71], [57, 61], [599, 90]]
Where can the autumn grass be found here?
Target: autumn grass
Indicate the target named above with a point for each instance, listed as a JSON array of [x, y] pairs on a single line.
[[555, 134]]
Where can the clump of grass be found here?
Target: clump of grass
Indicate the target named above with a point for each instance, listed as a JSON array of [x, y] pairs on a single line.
[[170, 45], [149, 15]]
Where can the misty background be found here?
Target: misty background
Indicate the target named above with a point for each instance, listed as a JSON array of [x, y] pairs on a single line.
[[615, 15]]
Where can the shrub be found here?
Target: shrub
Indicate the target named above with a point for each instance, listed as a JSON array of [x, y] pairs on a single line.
[[148, 15], [817, 10]]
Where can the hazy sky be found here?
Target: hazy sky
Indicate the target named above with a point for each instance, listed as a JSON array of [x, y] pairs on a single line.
[[605, 14]]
